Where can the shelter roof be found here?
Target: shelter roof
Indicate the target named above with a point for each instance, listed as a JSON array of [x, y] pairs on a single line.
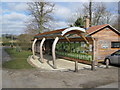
[[61, 32]]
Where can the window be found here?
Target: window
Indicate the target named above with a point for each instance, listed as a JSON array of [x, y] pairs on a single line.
[[115, 44], [117, 53], [100, 42], [105, 42], [107, 28]]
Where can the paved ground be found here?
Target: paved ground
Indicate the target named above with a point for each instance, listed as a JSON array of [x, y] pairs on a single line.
[[61, 64], [39, 78], [111, 85], [46, 79]]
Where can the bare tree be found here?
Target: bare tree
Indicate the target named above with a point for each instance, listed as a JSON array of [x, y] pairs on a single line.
[[116, 23], [99, 12], [41, 11], [106, 19], [31, 29], [79, 13], [96, 11]]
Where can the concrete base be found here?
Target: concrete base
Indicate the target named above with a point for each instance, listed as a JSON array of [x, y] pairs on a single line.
[[62, 64]]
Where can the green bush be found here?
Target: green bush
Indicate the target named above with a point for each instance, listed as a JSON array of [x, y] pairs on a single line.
[[6, 44]]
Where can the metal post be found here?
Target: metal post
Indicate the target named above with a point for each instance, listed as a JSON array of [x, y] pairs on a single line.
[[93, 65], [41, 54], [53, 52], [33, 47]]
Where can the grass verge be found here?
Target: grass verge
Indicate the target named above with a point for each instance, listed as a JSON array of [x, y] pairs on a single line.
[[18, 59]]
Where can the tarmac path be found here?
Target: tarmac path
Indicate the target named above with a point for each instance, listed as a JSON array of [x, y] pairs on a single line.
[[5, 55]]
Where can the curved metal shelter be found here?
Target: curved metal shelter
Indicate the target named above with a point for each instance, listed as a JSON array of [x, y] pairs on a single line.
[[61, 35]]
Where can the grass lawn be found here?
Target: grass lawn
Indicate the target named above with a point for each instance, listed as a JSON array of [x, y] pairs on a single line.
[[19, 59]]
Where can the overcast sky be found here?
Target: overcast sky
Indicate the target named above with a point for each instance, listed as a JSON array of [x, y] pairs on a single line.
[[14, 15]]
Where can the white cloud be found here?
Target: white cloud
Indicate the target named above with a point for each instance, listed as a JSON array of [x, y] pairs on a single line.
[[21, 7], [14, 16], [15, 6], [60, 0], [61, 24], [68, 13], [62, 12], [14, 23], [58, 24], [0, 10], [114, 18]]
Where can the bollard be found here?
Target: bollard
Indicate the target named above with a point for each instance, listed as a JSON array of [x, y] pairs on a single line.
[[76, 66], [107, 63], [54, 65], [93, 65]]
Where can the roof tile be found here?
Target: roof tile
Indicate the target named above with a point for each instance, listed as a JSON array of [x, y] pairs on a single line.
[[95, 28], [89, 30]]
